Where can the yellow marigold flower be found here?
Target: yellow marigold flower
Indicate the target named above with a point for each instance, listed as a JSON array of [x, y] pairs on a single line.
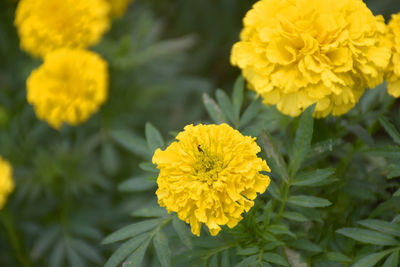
[[297, 53], [46, 25], [118, 7], [392, 75], [69, 87], [211, 176], [6, 181]]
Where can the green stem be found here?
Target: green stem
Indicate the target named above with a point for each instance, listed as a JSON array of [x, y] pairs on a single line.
[[20, 251], [285, 187]]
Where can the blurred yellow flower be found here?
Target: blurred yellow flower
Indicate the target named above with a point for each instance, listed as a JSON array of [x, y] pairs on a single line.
[[69, 87], [6, 181], [211, 176], [46, 25], [297, 53], [393, 72], [118, 7]]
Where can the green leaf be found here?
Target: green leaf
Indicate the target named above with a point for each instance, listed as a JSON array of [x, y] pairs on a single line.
[[302, 141], [225, 261], [58, 254], [273, 153], [136, 184], [397, 193], [163, 251], [294, 216], [309, 201], [392, 260], [86, 251], [135, 260], [74, 258], [182, 230], [109, 158], [390, 129], [382, 226], [303, 244], [279, 229], [394, 171], [275, 258], [213, 261], [385, 151], [312, 178], [45, 241], [250, 113], [226, 106], [149, 167], [126, 249], [131, 142], [237, 96], [247, 251], [132, 230], [152, 210], [153, 137], [368, 236], [249, 261], [213, 109], [371, 260], [337, 256]]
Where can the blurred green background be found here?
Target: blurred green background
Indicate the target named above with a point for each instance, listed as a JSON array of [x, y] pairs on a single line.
[[162, 55]]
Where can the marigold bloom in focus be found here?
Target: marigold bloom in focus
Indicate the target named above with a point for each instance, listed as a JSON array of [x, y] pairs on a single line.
[[118, 7], [211, 176], [69, 87], [297, 53], [6, 181], [46, 25], [393, 72]]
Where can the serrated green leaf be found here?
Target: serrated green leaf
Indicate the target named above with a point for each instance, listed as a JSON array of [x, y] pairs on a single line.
[[303, 244], [136, 259], [152, 210], [337, 256], [225, 261], [182, 231], [136, 184], [381, 226], [275, 258], [132, 230], [153, 137], [86, 251], [237, 97], [126, 249], [57, 254], [294, 216], [247, 251], [131, 142], [312, 178], [390, 129], [368, 236], [371, 260], [308, 201], [226, 106], [273, 153], [162, 249], [213, 109], [392, 260], [302, 141], [250, 113]]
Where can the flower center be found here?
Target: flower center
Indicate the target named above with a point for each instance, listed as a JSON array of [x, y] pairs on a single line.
[[207, 166]]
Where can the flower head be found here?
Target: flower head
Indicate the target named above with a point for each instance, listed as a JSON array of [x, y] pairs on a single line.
[[297, 53], [392, 75], [211, 176], [6, 181], [118, 7], [69, 87], [46, 25]]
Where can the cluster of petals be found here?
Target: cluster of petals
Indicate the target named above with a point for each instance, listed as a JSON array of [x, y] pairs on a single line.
[[68, 87], [392, 76], [46, 25], [211, 175], [304, 52], [6, 181]]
